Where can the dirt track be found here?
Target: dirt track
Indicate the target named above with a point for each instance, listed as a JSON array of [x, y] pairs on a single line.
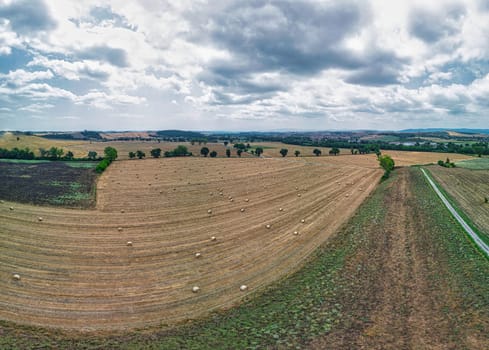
[[401, 293], [77, 271]]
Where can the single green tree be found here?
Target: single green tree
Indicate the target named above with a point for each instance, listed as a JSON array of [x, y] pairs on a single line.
[[228, 153], [317, 152], [387, 163], [132, 155], [140, 154], [284, 152], [110, 154], [180, 151], [69, 155], [334, 151], [238, 152], [258, 151], [156, 152], [213, 154], [92, 155], [55, 153], [204, 151], [297, 153]]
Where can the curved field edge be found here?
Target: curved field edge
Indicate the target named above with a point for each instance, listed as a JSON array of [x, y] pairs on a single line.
[[330, 302], [456, 205]]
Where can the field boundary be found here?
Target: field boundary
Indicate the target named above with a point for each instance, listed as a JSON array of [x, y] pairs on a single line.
[[472, 234]]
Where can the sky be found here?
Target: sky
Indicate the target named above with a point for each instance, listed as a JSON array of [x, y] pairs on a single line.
[[243, 65]]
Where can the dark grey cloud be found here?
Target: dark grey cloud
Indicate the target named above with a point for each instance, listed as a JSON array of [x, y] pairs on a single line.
[[115, 56], [432, 26], [295, 40], [381, 68], [301, 37], [28, 16]]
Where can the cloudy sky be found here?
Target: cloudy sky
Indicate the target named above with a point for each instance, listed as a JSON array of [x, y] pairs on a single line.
[[243, 65]]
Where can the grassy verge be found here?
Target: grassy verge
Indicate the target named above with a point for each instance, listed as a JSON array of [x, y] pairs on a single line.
[[482, 235]]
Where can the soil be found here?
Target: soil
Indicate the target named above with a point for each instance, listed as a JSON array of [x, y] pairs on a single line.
[[50, 183]]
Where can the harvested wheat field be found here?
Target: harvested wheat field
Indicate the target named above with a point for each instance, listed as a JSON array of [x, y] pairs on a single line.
[[407, 158], [165, 226], [469, 189]]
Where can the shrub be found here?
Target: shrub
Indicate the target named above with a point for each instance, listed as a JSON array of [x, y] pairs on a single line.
[[213, 154], [102, 165]]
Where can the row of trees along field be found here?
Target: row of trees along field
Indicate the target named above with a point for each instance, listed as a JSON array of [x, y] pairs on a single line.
[[362, 147], [53, 153]]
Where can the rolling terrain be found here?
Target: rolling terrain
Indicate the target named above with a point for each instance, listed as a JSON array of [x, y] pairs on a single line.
[[78, 270]]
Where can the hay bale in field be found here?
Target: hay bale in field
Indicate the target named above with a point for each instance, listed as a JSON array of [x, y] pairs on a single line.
[[247, 200], [122, 211], [119, 229], [213, 238], [195, 289], [16, 276], [39, 218], [298, 195], [231, 200], [11, 208], [281, 209], [296, 233], [209, 211], [303, 221], [220, 193], [242, 210], [129, 243], [243, 287], [198, 255], [268, 226]]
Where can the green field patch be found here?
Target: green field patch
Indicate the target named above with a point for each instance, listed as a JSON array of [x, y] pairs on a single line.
[[82, 164], [24, 161], [474, 164]]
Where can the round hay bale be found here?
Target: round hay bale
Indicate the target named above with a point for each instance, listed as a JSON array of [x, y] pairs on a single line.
[[39, 218], [243, 287], [213, 238], [122, 211], [195, 289], [209, 211], [242, 210], [296, 233], [268, 226], [281, 209], [198, 255], [161, 192], [119, 229], [11, 208], [303, 221], [220, 193], [298, 195], [16, 276], [129, 243], [247, 200]]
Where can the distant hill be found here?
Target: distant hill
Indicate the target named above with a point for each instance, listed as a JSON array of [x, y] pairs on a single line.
[[180, 133], [462, 130]]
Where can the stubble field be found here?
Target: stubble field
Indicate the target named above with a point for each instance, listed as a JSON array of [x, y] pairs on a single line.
[[468, 188], [77, 270]]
